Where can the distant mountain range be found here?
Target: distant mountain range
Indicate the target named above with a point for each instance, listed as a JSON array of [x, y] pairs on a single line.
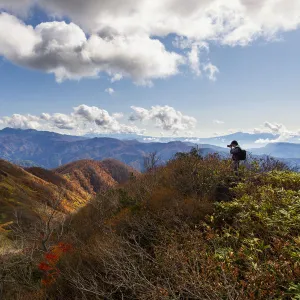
[[281, 150], [248, 140], [52, 150]]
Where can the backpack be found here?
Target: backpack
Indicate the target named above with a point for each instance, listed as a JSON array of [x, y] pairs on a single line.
[[242, 154]]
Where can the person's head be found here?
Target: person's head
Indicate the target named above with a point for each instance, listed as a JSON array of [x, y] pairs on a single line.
[[233, 144]]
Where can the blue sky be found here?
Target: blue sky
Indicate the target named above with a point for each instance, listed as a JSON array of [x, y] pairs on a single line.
[[257, 82]]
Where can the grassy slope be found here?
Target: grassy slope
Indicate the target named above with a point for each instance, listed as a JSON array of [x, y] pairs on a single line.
[[88, 174], [26, 190], [60, 181], [23, 192]]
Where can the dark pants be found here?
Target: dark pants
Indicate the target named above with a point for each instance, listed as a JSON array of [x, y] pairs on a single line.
[[236, 166]]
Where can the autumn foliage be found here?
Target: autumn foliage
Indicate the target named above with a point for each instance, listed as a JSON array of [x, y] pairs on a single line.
[[48, 267], [187, 230]]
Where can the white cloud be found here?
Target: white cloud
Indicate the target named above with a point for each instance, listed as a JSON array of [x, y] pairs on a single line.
[[165, 117], [18, 6], [21, 41], [211, 70], [62, 121], [118, 115], [151, 139], [109, 91], [274, 127], [83, 119], [94, 114], [194, 60], [116, 37], [232, 22], [116, 77], [280, 132], [63, 49], [218, 122], [21, 121], [140, 114]]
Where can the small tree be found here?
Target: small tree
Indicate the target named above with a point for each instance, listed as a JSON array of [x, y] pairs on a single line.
[[194, 152], [151, 161], [48, 228]]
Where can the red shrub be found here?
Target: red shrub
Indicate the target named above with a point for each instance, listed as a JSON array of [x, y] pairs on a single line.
[[48, 267]]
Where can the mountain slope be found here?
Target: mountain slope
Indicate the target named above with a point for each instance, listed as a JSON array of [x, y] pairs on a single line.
[[25, 194], [17, 145], [58, 180], [176, 243], [88, 174], [119, 171]]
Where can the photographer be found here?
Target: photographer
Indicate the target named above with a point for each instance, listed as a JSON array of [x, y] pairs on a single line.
[[236, 151]]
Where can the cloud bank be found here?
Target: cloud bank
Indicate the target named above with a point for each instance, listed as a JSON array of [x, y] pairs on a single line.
[[279, 130], [126, 38], [91, 119], [165, 117]]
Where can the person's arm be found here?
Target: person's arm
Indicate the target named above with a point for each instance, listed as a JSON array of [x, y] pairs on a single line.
[[235, 150]]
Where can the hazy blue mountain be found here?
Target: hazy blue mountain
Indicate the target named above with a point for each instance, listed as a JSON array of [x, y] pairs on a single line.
[[17, 145], [24, 163], [119, 136], [283, 150], [51, 150], [247, 140], [33, 135]]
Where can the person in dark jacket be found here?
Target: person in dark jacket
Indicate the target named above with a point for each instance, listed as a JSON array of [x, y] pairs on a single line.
[[235, 149]]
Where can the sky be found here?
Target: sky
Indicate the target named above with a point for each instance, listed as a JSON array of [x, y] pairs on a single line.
[[160, 68]]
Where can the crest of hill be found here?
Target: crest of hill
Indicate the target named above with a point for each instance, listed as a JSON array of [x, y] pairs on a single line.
[[91, 175], [26, 194], [119, 171]]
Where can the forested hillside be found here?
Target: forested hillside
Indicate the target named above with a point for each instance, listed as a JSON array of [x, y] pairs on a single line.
[[188, 230]]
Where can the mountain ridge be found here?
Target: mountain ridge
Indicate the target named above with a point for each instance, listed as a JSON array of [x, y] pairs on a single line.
[[88, 174], [25, 194], [28, 191], [280, 150], [51, 150]]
